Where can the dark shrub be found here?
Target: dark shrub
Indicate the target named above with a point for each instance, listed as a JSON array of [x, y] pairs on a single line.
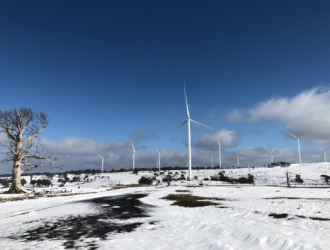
[[4, 183], [76, 179], [196, 177], [135, 171], [183, 178], [225, 178], [33, 182], [326, 178], [206, 179], [62, 181], [39, 183], [167, 178], [244, 180], [23, 182], [46, 182], [298, 179], [145, 180]]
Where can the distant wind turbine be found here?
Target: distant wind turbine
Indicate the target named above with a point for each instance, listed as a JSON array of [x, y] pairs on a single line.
[[102, 161], [237, 159], [133, 156], [220, 152], [324, 154], [212, 161], [298, 143], [187, 162], [271, 155], [158, 160], [189, 134]]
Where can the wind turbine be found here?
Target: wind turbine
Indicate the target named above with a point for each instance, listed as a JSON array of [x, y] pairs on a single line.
[[212, 161], [298, 143], [188, 120], [158, 160], [324, 154], [237, 159], [220, 152], [133, 156], [271, 155], [102, 161]]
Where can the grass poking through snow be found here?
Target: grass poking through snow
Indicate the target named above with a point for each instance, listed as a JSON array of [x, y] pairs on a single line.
[[187, 200]]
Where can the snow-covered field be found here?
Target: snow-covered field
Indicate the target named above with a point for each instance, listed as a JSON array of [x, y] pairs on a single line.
[[240, 220]]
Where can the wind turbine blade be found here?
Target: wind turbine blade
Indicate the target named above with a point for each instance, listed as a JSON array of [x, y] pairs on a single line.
[[303, 136], [291, 134], [267, 150], [100, 156], [203, 125], [321, 148], [184, 86], [219, 142], [177, 129], [132, 145]]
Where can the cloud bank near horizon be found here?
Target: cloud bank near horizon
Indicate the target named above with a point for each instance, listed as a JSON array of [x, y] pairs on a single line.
[[305, 113]]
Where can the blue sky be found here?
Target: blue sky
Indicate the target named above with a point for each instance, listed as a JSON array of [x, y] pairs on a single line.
[[109, 71]]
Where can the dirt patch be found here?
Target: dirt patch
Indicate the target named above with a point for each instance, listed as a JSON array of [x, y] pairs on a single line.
[[120, 186], [183, 191], [278, 216], [187, 200], [77, 228], [318, 218], [297, 198]]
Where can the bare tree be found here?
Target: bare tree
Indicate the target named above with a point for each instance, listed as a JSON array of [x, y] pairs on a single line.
[[288, 175], [23, 145]]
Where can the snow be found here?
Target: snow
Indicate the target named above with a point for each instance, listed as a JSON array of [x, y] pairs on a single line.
[[244, 223]]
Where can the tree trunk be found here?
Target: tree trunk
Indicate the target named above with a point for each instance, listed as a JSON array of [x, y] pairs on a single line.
[[16, 187], [287, 179]]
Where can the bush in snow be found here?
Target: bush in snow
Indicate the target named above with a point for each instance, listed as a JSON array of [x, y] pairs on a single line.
[[298, 179], [326, 178], [4, 183], [145, 180], [135, 171], [62, 181], [244, 180], [225, 178], [76, 179], [23, 182]]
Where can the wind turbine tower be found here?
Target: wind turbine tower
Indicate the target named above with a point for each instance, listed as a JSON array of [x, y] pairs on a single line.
[[133, 156], [324, 154], [188, 120], [271, 155], [158, 160], [298, 143], [237, 159], [212, 161], [102, 161], [220, 152]]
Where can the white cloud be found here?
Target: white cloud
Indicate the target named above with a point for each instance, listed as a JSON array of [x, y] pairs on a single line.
[[306, 113], [209, 141]]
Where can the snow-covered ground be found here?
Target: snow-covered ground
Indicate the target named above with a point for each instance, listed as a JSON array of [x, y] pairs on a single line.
[[240, 221]]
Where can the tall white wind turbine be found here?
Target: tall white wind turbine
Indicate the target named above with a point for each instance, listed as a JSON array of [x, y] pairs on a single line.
[[133, 156], [212, 161], [158, 160], [298, 143], [237, 159], [220, 152], [271, 155], [102, 161], [188, 120], [324, 154]]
